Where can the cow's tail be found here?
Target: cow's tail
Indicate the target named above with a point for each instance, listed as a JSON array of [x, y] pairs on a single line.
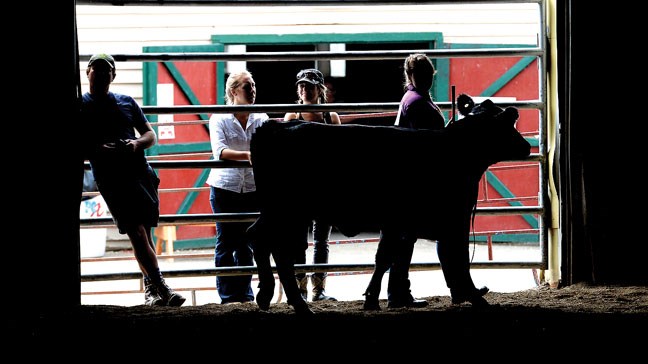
[[472, 229]]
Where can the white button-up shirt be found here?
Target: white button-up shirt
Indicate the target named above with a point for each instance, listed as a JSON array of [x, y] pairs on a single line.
[[226, 132]]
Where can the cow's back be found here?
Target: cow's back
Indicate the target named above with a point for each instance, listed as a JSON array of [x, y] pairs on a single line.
[[349, 173], [372, 176]]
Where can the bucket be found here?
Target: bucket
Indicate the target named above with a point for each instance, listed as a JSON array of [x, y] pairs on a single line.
[[93, 240]]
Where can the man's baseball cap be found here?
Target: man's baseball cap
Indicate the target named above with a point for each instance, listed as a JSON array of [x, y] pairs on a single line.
[[310, 75], [102, 57]]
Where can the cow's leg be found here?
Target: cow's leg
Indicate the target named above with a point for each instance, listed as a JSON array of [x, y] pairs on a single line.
[[261, 242], [286, 270], [266, 279], [454, 255], [293, 242], [383, 262]]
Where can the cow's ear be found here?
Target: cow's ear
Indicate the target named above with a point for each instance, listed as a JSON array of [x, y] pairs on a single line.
[[510, 114], [465, 104], [487, 105]]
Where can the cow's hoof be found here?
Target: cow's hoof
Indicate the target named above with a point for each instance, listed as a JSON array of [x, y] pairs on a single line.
[[371, 302], [263, 299], [475, 297], [263, 305], [479, 302], [301, 308]]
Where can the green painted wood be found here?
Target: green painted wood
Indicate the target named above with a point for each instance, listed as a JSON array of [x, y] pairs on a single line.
[[194, 243], [501, 188], [324, 38], [150, 76], [185, 148], [533, 141], [185, 88], [149, 84], [507, 76], [507, 238], [188, 201], [531, 239]]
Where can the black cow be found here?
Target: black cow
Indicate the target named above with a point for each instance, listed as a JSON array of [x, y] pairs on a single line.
[[421, 181]]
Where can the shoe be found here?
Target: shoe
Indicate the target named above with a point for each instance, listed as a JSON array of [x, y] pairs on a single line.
[[475, 297], [318, 289], [169, 296], [321, 296], [406, 301], [302, 284], [413, 303], [371, 302], [151, 296]]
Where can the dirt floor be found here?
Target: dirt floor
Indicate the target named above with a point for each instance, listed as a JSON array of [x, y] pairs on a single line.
[[603, 318]]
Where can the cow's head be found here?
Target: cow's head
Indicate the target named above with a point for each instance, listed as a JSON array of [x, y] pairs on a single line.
[[489, 131]]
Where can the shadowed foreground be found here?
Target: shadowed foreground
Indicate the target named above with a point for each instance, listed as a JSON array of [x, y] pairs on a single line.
[[604, 319]]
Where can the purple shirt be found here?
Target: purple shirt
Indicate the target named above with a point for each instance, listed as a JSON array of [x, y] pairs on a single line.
[[418, 111]]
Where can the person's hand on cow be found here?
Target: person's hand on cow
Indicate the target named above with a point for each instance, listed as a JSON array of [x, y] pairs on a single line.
[[236, 155]]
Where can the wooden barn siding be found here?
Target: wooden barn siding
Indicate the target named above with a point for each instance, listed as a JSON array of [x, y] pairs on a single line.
[[127, 29]]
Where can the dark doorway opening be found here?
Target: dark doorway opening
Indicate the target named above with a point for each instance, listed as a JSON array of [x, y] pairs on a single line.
[[365, 81], [276, 80], [377, 80]]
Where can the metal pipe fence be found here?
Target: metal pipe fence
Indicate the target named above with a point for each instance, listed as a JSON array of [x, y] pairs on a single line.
[[189, 219]]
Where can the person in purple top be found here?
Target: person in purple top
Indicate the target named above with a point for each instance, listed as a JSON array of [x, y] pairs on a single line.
[[395, 248], [417, 110]]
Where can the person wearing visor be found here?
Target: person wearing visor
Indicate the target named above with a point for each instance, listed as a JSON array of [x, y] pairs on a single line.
[[116, 133], [312, 90]]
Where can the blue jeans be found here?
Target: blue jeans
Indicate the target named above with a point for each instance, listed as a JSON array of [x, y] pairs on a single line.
[[233, 246]]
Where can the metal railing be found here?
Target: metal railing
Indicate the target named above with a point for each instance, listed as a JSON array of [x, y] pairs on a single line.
[[188, 219]]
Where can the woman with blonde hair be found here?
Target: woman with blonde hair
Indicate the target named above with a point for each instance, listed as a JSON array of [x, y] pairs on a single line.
[[233, 189]]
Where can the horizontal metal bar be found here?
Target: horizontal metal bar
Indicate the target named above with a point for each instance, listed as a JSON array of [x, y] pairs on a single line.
[[315, 55], [288, 2], [190, 219], [299, 268], [160, 164], [338, 107], [242, 164]]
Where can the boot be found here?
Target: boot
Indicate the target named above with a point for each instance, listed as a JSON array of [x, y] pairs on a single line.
[[406, 300], [319, 283], [151, 295], [302, 283], [169, 296]]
